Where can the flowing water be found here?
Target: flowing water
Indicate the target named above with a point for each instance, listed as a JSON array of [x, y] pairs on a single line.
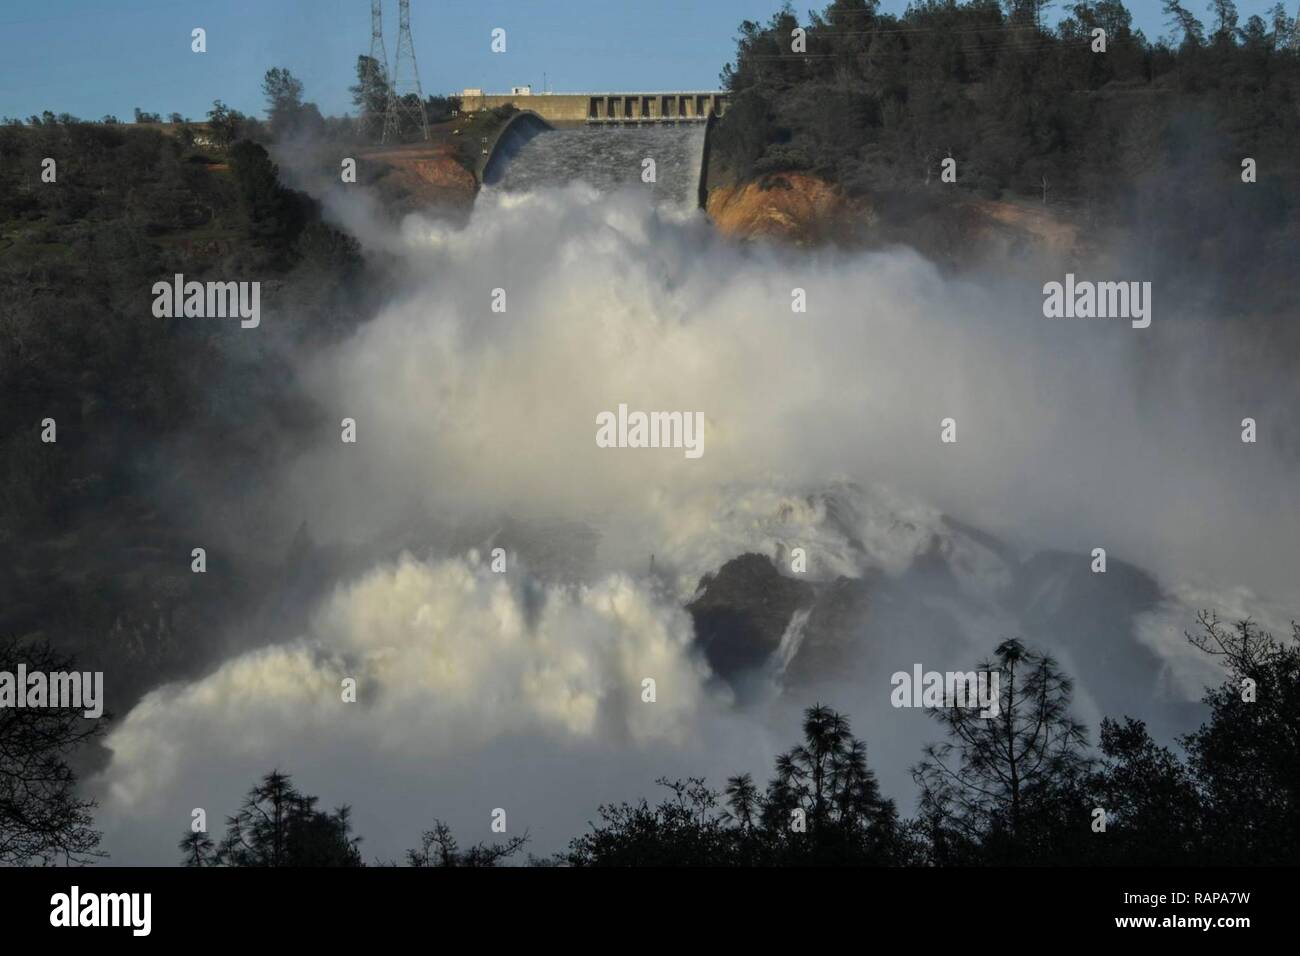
[[607, 158]]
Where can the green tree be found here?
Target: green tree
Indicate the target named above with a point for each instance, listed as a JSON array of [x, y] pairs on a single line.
[[42, 819], [1246, 757], [744, 800], [198, 848], [274, 212], [1286, 32], [1008, 787], [1192, 29], [826, 778], [1153, 808], [438, 848], [283, 92], [1225, 20], [280, 826], [684, 829], [226, 124]]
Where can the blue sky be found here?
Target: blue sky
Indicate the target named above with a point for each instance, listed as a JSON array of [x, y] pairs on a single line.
[[92, 57]]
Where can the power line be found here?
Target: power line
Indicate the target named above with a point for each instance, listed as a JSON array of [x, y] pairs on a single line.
[[376, 67], [398, 105]]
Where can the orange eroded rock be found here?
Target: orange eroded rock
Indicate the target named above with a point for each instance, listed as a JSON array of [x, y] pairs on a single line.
[[794, 207]]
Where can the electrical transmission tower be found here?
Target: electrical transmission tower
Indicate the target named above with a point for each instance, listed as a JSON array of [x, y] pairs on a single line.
[[398, 105], [376, 71]]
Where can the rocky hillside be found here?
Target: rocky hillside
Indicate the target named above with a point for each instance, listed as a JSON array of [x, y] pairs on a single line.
[[419, 177], [804, 209]]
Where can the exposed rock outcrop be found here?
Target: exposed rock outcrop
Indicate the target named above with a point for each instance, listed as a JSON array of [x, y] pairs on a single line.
[[743, 610], [795, 207], [960, 229], [410, 178]]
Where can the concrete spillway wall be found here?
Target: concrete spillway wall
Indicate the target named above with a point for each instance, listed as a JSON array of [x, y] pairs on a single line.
[[702, 194], [520, 128]]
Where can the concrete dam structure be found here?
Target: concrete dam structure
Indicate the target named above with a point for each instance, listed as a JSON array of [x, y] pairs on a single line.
[[572, 109]]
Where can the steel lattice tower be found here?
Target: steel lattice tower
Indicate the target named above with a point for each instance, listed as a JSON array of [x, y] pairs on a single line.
[[397, 92], [377, 68]]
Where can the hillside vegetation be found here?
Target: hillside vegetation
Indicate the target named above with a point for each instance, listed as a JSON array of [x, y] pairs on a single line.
[[1147, 137], [96, 527]]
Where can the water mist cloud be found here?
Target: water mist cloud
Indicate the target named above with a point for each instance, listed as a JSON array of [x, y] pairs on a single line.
[[1073, 434], [822, 431]]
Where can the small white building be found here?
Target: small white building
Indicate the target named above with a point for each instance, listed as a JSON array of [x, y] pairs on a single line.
[[521, 91]]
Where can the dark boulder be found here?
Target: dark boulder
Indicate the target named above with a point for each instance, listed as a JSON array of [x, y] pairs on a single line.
[[741, 612]]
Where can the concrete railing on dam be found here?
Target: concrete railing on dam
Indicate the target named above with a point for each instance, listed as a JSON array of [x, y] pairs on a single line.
[[690, 106]]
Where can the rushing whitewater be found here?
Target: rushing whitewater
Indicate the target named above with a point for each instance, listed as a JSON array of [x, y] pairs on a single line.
[[609, 159], [522, 690]]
